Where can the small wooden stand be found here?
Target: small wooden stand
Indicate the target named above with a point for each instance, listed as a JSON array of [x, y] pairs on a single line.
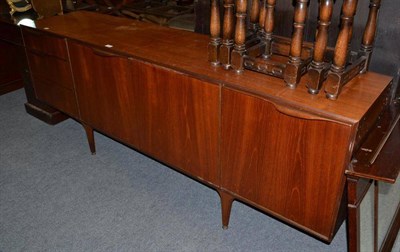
[[290, 58], [344, 68]]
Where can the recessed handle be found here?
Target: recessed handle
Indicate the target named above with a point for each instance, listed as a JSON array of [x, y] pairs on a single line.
[[104, 53]]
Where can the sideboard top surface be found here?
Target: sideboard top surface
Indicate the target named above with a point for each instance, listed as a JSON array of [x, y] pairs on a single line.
[[186, 52]]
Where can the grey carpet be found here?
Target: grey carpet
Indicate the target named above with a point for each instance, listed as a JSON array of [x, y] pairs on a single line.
[[55, 196]]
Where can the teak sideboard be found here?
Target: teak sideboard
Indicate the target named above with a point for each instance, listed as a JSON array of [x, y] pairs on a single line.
[[281, 150]]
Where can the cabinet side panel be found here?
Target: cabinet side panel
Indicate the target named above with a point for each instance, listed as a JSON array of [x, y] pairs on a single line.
[[290, 166]]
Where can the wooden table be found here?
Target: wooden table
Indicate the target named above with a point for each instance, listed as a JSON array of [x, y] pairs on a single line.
[[281, 150]]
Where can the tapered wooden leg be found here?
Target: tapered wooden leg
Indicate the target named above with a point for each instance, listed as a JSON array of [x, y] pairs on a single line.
[[226, 206], [90, 138], [353, 218]]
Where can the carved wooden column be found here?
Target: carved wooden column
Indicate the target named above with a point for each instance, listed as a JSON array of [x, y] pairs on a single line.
[[227, 34], [318, 68], [269, 27], [369, 32], [240, 37], [215, 33], [293, 70], [335, 78]]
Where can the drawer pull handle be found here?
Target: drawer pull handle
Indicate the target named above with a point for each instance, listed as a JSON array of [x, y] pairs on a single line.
[[103, 53]]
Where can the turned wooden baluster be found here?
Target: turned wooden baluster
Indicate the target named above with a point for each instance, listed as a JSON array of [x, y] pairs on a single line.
[[293, 70], [334, 80], [215, 33], [269, 27], [240, 37], [227, 34], [317, 70], [255, 15], [369, 32], [261, 19]]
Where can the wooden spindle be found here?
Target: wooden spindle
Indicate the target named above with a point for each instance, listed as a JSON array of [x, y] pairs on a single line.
[[255, 15], [261, 18], [227, 34], [318, 69], [293, 70], [215, 33], [334, 80], [369, 32], [269, 27], [240, 36]]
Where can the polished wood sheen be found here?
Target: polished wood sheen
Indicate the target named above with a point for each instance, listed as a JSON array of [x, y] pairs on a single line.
[[50, 71], [278, 166], [280, 150], [141, 105]]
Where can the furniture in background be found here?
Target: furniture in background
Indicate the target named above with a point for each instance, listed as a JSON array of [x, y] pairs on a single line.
[[19, 6], [11, 77], [15, 71], [248, 136], [45, 8]]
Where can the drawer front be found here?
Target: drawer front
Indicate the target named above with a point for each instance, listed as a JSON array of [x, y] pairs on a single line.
[[46, 43], [58, 97], [371, 117], [51, 69]]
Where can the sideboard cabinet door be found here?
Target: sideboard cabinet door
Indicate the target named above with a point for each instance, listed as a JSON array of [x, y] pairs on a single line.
[[180, 116], [106, 92], [289, 166], [163, 113]]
